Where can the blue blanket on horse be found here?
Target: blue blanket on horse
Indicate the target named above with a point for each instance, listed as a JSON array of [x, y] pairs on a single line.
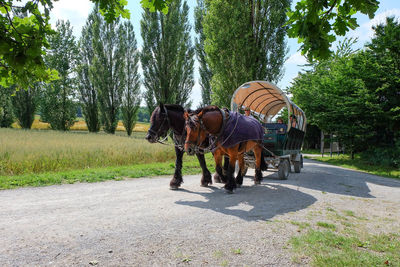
[[240, 128]]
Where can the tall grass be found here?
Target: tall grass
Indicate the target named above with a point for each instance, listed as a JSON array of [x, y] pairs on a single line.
[[29, 151]]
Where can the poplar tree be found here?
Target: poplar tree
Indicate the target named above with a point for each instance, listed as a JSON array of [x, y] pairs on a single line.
[[167, 56], [107, 71], [86, 89], [57, 104], [25, 103], [244, 41], [131, 91]]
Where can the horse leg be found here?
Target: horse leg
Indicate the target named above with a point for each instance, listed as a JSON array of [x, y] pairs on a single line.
[[177, 180], [239, 177], [226, 165], [257, 153], [206, 178], [219, 176], [230, 184]]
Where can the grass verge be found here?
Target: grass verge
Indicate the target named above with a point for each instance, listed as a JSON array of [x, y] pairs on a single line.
[[358, 164], [348, 242], [327, 248], [190, 166], [311, 151]]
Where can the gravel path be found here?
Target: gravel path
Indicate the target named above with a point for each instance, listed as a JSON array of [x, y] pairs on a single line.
[[140, 222]]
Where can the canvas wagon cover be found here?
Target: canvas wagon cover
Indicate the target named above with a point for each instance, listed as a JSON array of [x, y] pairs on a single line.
[[240, 128], [266, 99]]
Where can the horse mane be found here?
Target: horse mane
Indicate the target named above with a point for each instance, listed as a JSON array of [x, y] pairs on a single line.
[[206, 109], [174, 107]]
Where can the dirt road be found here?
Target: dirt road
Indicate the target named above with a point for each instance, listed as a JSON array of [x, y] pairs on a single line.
[[140, 222]]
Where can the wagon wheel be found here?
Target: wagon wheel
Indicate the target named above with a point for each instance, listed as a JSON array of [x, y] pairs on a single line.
[[283, 169], [297, 166]]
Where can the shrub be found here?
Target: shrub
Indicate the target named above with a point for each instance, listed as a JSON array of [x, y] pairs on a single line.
[[386, 156]]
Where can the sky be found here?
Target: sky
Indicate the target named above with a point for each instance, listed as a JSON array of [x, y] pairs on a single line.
[[77, 11]]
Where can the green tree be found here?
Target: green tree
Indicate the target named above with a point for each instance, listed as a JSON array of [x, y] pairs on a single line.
[[167, 56], [87, 92], [107, 71], [24, 28], [244, 41], [57, 105], [336, 99], [131, 93], [204, 69], [6, 109], [317, 22], [312, 21], [143, 114], [156, 5], [25, 103], [385, 80]]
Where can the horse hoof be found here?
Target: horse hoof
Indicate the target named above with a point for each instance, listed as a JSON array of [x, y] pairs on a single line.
[[257, 182], [238, 185], [228, 191], [173, 187], [204, 185]]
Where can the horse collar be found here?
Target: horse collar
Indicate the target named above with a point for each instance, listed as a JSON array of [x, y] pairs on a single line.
[[225, 115]]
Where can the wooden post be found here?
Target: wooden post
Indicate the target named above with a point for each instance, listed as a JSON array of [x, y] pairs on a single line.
[[322, 143]]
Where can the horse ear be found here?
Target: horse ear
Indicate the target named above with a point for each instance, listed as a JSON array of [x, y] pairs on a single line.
[[200, 114], [161, 107], [186, 115]]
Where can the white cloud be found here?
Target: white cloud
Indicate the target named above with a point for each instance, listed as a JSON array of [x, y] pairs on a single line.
[[296, 59], [365, 31], [76, 11]]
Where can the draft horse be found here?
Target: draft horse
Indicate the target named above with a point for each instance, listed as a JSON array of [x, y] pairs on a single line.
[[169, 116], [223, 125]]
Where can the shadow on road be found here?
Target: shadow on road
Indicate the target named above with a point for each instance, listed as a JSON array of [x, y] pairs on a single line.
[[274, 197], [332, 179], [252, 203]]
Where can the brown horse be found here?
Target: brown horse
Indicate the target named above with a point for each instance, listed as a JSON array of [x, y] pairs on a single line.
[[218, 123]]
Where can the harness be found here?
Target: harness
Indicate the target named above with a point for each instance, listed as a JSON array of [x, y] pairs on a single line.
[[197, 146]]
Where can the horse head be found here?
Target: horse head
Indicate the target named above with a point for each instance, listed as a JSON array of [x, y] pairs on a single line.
[[159, 124], [195, 132]]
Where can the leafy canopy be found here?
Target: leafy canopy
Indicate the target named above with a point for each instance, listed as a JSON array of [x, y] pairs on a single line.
[[316, 22], [24, 28]]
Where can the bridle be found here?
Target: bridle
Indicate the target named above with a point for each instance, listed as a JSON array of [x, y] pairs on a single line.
[[197, 145], [156, 133], [177, 143]]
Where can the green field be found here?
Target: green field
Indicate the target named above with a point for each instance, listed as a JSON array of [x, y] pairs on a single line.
[[38, 158], [29, 151]]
